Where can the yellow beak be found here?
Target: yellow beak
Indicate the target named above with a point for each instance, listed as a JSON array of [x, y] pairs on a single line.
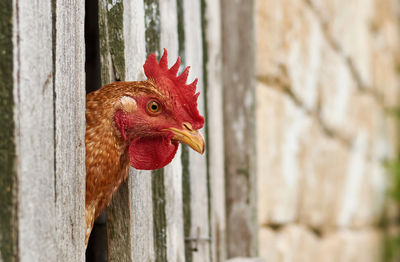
[[188, 136]]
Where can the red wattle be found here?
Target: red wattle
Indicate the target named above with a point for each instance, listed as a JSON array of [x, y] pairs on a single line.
[[150, 153]]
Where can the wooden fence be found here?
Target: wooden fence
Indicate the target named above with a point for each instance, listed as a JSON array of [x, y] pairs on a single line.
[[198, 208]]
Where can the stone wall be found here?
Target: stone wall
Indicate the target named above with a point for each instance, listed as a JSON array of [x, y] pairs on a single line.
[[327, 80]]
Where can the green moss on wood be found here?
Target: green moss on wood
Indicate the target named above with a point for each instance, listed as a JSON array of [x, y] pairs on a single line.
[[112, 60], [152, 23], [186, 189], [111, 37], [152, 34], [181, 29], [159, 216], [8, 222], [103, 44], [116, 37], [118, 225]]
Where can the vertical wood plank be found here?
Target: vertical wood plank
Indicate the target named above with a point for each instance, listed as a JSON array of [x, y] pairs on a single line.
[[129, 217], [186, 197], [70, 130], [197, 163], [112, 60], [153, 41], [142, 216], [130, 220], [8, 188], [34, 129], [118, 226], [173, 171], [159, 216], [141, 206], [211, 16], [112, 45], [134, 31], [239, 104]]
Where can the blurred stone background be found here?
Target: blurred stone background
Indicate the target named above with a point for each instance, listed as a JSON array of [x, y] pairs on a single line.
[[327, 82]]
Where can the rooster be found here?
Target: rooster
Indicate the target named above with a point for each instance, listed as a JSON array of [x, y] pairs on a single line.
[[139, 124]]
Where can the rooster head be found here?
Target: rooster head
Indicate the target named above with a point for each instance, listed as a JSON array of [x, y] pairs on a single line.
[[161, 114]]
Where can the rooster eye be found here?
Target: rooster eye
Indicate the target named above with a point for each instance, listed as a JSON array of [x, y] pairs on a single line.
[[153, 107]]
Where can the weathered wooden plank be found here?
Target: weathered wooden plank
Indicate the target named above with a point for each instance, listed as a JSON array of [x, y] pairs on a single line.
[[159, 217], [199, 201], [152, 25], [238, 37], [70, 130], [211, 16], [8, 188], [111, 41], [34, 132], [118, 226], [186, 203], [191, 231], [142, 216], [134, 32], [153, 39], [173, 171], [174, 209], [112, 58], [186, 197], [130, 216], [141, 205]]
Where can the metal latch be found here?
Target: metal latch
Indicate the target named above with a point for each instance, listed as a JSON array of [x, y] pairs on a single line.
[[195, 240]]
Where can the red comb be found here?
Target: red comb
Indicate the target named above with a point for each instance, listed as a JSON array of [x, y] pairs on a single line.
[[159, 72]]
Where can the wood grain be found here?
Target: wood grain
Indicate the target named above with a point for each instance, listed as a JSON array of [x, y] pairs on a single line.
[[112, 61], [215, 150], [173, 171], [238, 37], [130, 216], [153, 38], [69, 104], [118, 226], [139, 182], [112, 45], [34, 130], [197, 163]]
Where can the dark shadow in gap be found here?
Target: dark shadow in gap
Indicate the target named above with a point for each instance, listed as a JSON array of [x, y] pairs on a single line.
[[97, 247]]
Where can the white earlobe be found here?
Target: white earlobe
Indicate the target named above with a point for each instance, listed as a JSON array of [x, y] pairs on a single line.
[[127, 104]]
